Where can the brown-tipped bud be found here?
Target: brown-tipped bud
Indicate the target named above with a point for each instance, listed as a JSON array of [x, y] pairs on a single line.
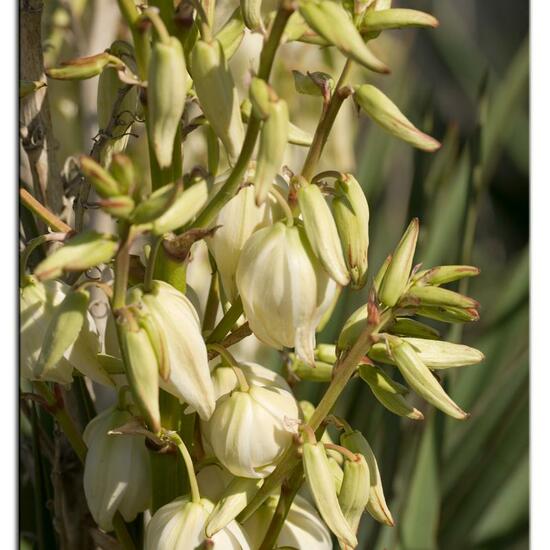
[[379, 277], [381, 20], [439, 297], [397, 274], [123, 170], [403, 326], [385, 113], [104, 184], [448, 314], [84, 67], [120, 207], [331, 21], [444, 274]]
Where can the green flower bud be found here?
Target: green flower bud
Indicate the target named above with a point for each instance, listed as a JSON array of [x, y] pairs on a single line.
[[354, 493], [381, 20], [251, 427], [104, 184], [117, 471], [85, 250], [47, 323], [419, 377], [273, 140], [84, 67], [322, 233], [262, 96], [239, 219], [166, 92], [376, 506], [444, 274], [27, 87], [439, 297], [332, 22], [217, 94], [123, 170], [388, 392], [403, 326], [252, 14], [318, 372], [320, 483], [354, 325], [303, 529], [448, 314], [385, 113], [398, 271], [351, 213], [184, 208], [156, 204], [379, 277], [233, 501], [276, 265], [231, 34], [120, 206], [180, 525], [326, 353]]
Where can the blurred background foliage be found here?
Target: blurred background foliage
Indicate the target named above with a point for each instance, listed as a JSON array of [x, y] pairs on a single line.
[[450, 485]]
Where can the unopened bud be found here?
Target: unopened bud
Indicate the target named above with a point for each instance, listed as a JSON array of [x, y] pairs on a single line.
[[403, 326], [261, 96], [119, 207], [84, 67], [104, 184], [318, 372], [448, 314], [385, 113], [381, 20], [438, 297], [252, 14], [231, 34], [123, 170], [352, 329], [156, 204], [444, 274]]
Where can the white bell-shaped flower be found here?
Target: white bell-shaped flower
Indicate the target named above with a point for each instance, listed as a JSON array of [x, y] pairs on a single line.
[[238, 219], [284, 288], [180, 525], [37, 303], [117, 471], [303, 529], [252, 425]]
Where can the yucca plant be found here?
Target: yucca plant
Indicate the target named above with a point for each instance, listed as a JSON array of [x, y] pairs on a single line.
[[227, 332]]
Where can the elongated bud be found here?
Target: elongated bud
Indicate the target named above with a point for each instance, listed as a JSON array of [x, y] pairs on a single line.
[[376, 507], [217, 94], [261, 97], [183, 209], [158, 342], [318, 372], [354, 325], [63, 330], [273, 140], [355, 490], [166, 91], [326, 353], [236, 496], [381, 20], [313, 83], [105, 184], [421, 380], [27, 87], [86, 250], [403, 326], [120, 206], [351, 213], [379, 277], [84, 67], [438, 297], [123, 170], [444, 274], [322, 233], [433, 353], [231, 34], [332, 22], [252, 15], [141, 368], [156, 204], [388, 392], [397, 274], [319, 479], [448, 314], [385, 113]]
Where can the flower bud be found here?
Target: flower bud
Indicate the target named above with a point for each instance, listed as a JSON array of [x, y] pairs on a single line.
[[320, 483], [419, 377], [448, 314], [84, 67], [379, 277], [117, 471], [184, 208], [355, 490], [179, 525], [381, 20], [318, 372], [352, 329], [217, 94], [403, 326], [249, 430], [252, 14], [351, 213], [239, 219], [47, 324], [166, 92], [376, 506], [156, 204], [303, 529], [177, 319], [385, 113], [322, 233], [444, 274], [123, 170], [388, 392], [332, 22], [397, 274], [231, 34], [104, 184], [261, 97], [86, 250], [273, 140], [275, 266], [120, 206], [439, 297]]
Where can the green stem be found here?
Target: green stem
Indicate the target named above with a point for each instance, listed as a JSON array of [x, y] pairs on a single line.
[[151, 262], [48, 217], [324, 127], [33, 244], [230, 187], [159, 25], [212, 304], [226, 323], [176, 439], [122, 533], [122, 267], [141, 45]]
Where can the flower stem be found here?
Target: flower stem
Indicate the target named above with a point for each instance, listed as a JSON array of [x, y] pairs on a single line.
[[176, 439], [42, 212], [324, 127], [33, 244], [151, 262], [283, 204], [226, 323], [122, 533]]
